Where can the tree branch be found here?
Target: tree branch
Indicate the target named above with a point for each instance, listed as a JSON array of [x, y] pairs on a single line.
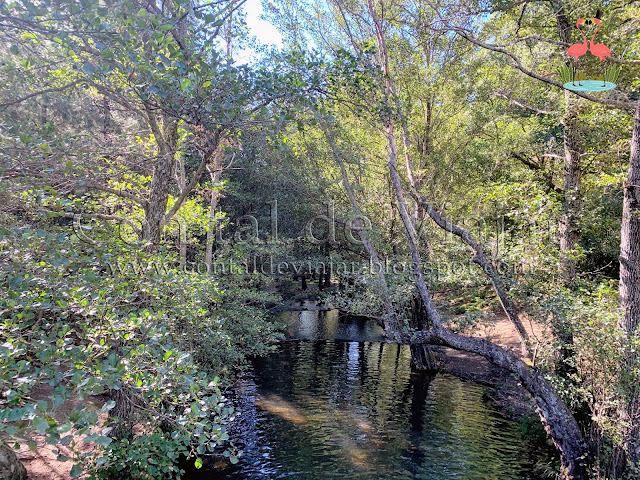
[[119, 193], [4, 106], [522, 104], [194, 181], [534, 166], [517, 63]]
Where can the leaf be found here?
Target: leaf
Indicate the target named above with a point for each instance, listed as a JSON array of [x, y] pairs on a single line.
[[206, 84], [40, 424], [14, 415], [233, 459], [76, 471], [198, 463], [107, 53], [166, 27], [104, 441], [88, 68], [108, 406]]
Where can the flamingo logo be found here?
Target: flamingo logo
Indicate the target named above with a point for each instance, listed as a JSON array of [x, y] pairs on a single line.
[[570, 75]]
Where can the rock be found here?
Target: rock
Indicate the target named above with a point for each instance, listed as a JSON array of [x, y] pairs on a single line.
[[10, 466]]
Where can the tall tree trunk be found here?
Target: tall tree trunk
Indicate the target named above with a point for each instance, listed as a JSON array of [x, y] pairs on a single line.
[[569, 222], [154, 218], [409, 227], [555, 416], [569, 232], [181, 178], [630, 296], [416, 183], [158, 198]]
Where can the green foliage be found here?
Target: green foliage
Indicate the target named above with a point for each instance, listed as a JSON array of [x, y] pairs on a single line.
[[70, 330]]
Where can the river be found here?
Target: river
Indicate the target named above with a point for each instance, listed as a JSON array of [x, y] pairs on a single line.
[[335, 402]]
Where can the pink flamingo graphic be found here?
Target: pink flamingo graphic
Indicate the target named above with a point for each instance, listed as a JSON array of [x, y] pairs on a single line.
[[599, 50], [578, 49]]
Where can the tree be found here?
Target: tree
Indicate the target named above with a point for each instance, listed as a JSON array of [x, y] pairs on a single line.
[[161, 65]]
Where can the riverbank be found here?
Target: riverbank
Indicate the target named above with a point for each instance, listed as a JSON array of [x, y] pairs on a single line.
[[500, 391]]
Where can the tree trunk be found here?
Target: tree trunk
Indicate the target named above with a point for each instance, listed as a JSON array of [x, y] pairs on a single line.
[[121, 415], [555, 416], [155, 211], [569, 222], [10, 467], [158, 198], [630, 296], [423, 358], [390, 322], [213, 204], [415, 182], [481, 260]]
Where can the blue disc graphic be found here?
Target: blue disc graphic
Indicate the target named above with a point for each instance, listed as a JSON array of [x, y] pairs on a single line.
[[589, 86]]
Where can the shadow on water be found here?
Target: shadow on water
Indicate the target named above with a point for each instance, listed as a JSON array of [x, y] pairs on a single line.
[[336, 403]]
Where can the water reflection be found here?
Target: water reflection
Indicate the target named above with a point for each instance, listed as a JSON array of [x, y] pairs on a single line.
[[330, 325], [353, 410]]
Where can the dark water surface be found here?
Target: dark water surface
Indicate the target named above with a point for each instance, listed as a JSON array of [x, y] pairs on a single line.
[[338, 409]]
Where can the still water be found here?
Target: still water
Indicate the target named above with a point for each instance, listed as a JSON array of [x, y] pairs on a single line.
[[336, 403]]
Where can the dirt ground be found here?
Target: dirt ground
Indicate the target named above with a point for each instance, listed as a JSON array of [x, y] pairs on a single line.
[[503, 388], [42, 464]]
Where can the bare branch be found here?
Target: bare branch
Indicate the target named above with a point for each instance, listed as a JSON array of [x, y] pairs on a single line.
[[3, 106], [522, 104]]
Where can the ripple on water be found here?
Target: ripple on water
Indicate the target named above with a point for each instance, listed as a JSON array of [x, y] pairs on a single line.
[[353, 410]]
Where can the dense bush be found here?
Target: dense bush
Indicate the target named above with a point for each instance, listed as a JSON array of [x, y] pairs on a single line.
[[150, 344]]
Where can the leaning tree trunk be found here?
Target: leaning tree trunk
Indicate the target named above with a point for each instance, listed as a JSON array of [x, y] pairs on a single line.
[[390, 323], [487, 267], [630, 297], [555, 416]]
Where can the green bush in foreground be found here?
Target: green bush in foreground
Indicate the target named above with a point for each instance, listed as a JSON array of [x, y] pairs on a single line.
[[149, 346]]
